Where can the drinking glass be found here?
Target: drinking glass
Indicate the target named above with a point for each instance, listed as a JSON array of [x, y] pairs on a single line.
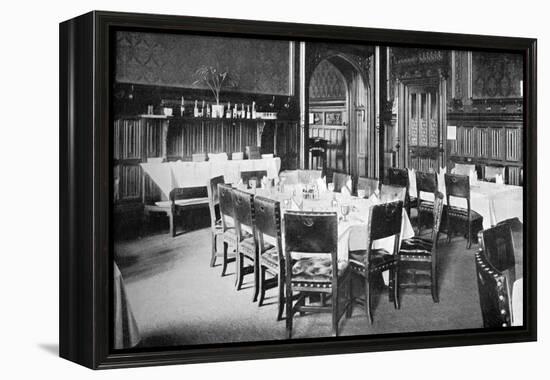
[[252, 183], [330, 187], [345, 210]]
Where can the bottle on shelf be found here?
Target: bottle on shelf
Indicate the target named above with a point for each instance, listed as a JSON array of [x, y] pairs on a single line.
[[253, 109], [243, 111], [235, 114], [182, 107], [203, 110], [248, 115], [208, 111], [196, 109], [228, 111]]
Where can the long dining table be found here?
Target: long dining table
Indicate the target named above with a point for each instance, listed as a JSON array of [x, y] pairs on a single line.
[[352, 229]]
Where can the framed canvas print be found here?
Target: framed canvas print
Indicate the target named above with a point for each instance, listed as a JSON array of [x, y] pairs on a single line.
[[237, 189]]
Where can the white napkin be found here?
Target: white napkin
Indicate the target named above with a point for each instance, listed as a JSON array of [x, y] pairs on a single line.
[[473, 177], [499, 180], [374, 198], [268, 155], [321, 184]]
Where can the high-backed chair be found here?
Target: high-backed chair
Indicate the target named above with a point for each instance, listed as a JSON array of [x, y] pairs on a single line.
[[467, 220], [494, 294], [419, 255], [268, 226], [252, 152], [247, 250], [498, 246], [370, 185], [183, 200], [490, 173], [246, 176], [229, 233], [384, 221], [340, 181], [425, 183], [389, 193], [216, 227], [316, 233], [400, 177]]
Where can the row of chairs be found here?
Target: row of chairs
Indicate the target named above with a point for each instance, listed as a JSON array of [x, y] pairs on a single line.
[[463, 220], [252, 234]]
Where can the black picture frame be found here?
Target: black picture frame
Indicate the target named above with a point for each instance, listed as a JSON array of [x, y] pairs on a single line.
[[85, 190]]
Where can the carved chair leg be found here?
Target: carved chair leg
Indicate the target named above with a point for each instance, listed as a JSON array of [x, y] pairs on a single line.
[[335, 302], [171, 220], [239, 279], [396, 285], [261, 285], [214, 249], [289, 312], [224, 263], [281, 302], [434, 287], [391, 285], [368, 310], [257, 270]]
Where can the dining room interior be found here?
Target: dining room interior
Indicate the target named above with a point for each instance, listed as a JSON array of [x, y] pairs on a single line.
[[279, 189]]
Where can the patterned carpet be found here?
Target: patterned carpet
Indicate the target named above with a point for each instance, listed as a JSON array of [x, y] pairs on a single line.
[[177, 299]]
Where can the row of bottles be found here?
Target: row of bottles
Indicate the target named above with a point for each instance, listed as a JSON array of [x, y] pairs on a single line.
[[228, 111]]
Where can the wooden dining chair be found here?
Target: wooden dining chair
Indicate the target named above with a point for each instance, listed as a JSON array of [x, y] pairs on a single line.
[[268, 224], [370, 185], [340, 181], [308, 176], [247, 250], [467, 220], [289, 177], [384, 221], [494, 293], [246, 176], [252, 153], [216, 227], [389, 193], [418, 255], [316, 233], [400, 177], [425, 183], [498, 246], [229, 233]]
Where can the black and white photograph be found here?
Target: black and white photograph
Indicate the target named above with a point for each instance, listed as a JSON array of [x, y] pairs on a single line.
[[277, 189]]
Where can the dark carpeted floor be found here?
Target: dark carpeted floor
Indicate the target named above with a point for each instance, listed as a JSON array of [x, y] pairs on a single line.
[[178, 299]]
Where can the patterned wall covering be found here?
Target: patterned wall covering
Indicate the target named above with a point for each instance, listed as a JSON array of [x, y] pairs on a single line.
[[496, 75], [327, 83], [261, 66]]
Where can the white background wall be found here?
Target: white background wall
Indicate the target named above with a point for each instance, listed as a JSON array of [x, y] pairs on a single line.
[[29, 190]]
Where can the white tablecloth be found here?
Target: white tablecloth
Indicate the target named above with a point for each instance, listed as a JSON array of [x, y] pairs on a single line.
[[492, 201], [170, 175]]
